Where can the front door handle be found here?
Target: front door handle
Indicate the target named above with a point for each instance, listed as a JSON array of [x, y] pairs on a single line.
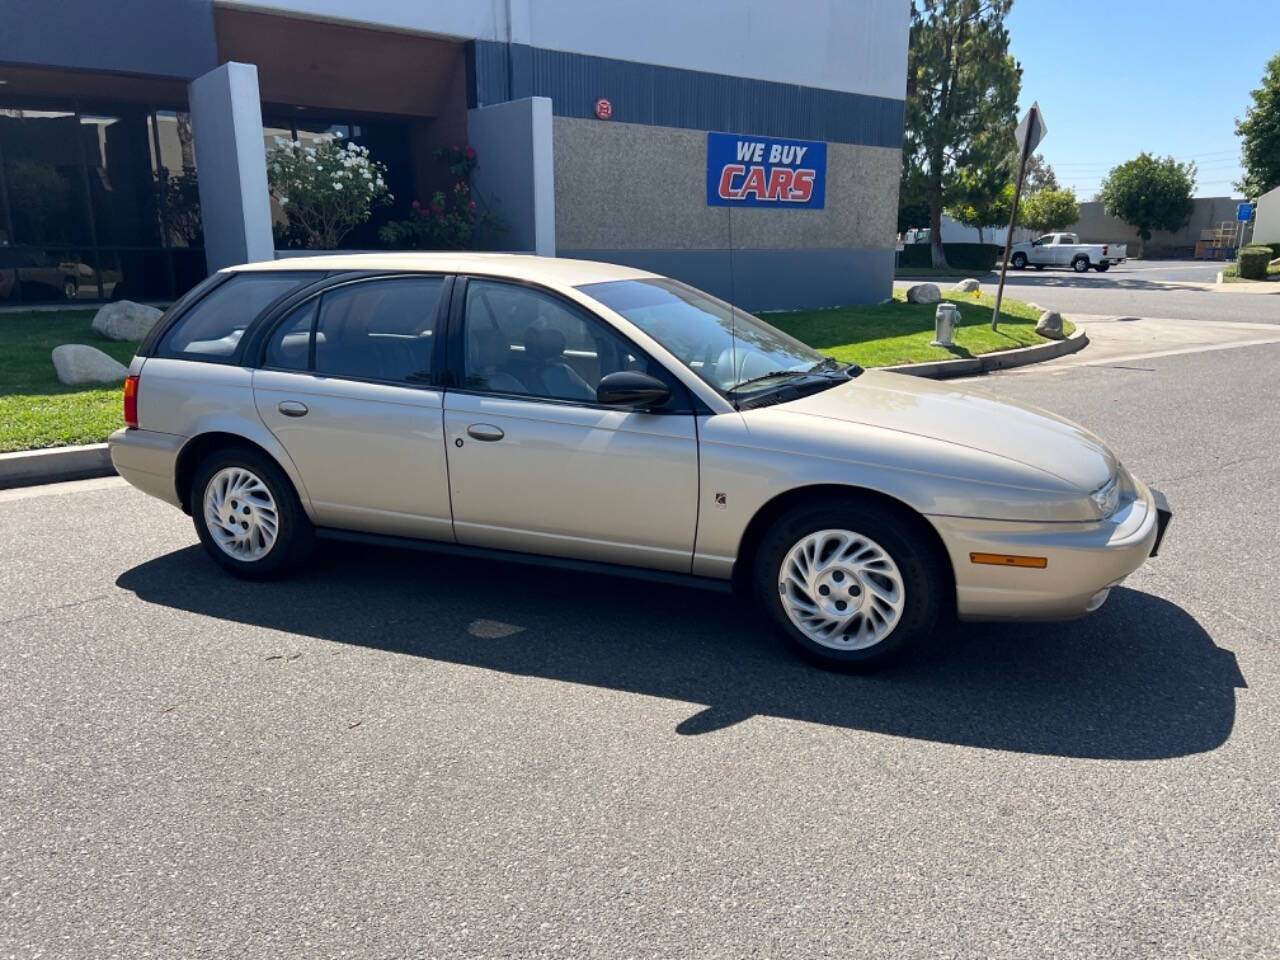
[[485, 431], [292, 408]]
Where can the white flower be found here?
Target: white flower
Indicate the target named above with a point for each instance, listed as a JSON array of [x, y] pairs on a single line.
[[283, 201], [351, 145], [278, 141], [311, 151], [337, 185], [337, 135], [310, 159], [296, 144]]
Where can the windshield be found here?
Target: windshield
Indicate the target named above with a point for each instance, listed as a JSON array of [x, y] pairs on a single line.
[[725, 346]]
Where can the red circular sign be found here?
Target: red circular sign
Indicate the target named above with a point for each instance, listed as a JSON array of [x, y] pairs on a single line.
[[604, 109]]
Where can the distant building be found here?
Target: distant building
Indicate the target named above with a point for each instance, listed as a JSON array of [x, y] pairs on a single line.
[[1208, 213]]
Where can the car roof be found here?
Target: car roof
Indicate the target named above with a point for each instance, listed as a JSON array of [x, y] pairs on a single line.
[[554, 270]]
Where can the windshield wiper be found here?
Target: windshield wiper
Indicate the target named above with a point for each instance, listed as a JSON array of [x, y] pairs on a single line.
[[768, 376]]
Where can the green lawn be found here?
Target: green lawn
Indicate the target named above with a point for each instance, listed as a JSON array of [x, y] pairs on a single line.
[[38, 411], [35, 409], [899, 332]]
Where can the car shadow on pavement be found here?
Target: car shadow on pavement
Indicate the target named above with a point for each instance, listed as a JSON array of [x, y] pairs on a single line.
[[1138, 680]]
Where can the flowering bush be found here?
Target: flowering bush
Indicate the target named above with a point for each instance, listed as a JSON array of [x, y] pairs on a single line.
[[450, 219], [325, 190]]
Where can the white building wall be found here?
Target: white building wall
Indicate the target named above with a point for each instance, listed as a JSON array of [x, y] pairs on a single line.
[[1266, 224], [854, 46]]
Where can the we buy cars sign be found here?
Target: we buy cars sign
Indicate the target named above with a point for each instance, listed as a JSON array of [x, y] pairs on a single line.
[[745, 171]]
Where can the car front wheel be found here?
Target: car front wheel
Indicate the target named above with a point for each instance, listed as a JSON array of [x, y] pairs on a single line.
[[248, 515], [850, 586]]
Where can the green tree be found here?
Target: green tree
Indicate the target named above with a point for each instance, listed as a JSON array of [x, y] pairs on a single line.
[[1149, 193], [982, 204], [1040, 175], [962, 91], [1259, 132], [1049, 210]]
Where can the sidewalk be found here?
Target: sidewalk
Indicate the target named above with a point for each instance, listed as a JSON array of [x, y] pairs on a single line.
[[1115, 340]]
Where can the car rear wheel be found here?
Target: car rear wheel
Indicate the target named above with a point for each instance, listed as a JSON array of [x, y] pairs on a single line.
[[1103, 267], [1019, 261], [1080, 264], [849, 586], [248, 515], [70, 289]]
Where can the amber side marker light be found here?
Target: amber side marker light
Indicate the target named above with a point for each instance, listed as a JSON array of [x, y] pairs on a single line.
[[1009, 560], [131, 401]]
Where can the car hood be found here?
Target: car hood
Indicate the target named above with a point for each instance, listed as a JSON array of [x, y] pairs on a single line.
[[967, 418]]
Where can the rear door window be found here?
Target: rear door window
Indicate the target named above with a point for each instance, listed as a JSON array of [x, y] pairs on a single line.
[[383, 330], [213, 328]]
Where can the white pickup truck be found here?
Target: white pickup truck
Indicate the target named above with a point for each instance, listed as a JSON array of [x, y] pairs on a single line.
[[1066, 250]]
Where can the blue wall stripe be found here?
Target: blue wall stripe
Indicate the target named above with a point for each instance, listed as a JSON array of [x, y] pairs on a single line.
[[672, 97]]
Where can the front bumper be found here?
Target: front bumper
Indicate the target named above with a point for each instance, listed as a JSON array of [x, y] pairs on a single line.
[[148, 460], [1083, 561]]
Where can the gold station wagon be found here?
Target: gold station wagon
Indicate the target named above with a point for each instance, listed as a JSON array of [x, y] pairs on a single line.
[[597, 416]]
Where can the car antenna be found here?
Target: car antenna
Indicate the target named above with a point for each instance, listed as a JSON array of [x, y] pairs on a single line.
[[733, 309]]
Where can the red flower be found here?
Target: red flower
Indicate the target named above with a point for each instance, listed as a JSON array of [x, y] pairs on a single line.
[[473, 204], [471, 153], [417, 205]]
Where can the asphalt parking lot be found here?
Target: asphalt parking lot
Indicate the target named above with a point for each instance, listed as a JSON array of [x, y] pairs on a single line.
[[400, 756]]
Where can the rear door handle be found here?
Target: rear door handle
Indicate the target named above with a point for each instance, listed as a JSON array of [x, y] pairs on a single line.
[[485, 431], [292, 408]]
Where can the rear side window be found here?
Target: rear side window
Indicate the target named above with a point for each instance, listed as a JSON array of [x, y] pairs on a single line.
[[213, 328], [372, 330]]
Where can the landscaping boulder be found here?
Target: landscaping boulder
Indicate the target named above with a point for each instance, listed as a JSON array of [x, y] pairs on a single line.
[[1050, 325], [923, 293], [78, 363], [125, 320], [968, 285]]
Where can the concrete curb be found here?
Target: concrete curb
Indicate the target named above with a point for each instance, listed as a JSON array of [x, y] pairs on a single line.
[[27, 468], [1002, 360]]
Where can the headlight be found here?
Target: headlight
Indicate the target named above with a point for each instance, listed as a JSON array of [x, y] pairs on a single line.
[[1107, 497]]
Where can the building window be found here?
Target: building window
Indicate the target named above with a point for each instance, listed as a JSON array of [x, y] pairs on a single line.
[[98, 201]]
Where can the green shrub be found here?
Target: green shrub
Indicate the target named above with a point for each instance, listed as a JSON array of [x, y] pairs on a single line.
[[962, 256], [1252, 262]]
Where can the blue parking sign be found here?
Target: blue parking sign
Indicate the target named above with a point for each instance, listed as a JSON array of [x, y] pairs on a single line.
[[1244, 212]]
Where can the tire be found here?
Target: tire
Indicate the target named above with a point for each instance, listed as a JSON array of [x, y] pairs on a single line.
[[884, 555], [70, 289], [251, 487], [1018, 261], [1103, 267], [1039, 266], [1080, 264]]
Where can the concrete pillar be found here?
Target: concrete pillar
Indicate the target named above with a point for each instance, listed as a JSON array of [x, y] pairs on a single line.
[[515, 176], [226, 119]]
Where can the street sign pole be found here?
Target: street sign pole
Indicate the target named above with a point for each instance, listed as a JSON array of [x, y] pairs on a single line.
[[1030, 132]]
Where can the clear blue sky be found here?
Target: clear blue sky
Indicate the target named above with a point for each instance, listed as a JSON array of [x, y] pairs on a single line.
[[1177, 73]]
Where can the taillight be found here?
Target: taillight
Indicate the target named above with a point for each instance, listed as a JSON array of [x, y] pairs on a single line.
[[1104, 249], [131, 401]]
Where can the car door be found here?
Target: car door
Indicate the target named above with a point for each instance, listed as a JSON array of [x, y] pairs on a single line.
[[349, 386], [1061, 251], [535, 463]]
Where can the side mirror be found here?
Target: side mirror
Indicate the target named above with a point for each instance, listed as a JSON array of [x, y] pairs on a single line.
[[630, 388]]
